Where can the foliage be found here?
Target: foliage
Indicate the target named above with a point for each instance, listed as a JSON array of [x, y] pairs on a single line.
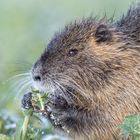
[[11, 127], [23, 129], [131, 127]]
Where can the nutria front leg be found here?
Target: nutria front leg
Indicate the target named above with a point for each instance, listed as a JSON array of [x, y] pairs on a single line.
[[62, 115]]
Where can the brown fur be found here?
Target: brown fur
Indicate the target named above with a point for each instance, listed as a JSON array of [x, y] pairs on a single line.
[[100, 84]]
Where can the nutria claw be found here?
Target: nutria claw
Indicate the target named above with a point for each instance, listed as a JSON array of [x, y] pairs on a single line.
[[57, 115], [57, 110]]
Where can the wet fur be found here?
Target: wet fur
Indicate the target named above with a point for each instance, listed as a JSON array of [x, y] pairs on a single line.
[[92, 92]]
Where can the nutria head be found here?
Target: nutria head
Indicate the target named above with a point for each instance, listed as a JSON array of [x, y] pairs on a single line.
[[82, 62]]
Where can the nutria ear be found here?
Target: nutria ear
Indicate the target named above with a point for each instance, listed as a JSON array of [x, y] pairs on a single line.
[[102, 34]]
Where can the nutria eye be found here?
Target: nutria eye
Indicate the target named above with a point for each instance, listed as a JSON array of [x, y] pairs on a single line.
[[73, 52]]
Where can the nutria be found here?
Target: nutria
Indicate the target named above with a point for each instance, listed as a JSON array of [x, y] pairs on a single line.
[[91, 71]]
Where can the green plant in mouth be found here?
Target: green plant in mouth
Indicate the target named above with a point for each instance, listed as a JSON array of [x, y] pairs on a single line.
[[13, 127], [38, 101]]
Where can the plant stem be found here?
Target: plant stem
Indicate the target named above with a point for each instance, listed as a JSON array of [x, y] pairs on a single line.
[[25, 124], [41, 102]]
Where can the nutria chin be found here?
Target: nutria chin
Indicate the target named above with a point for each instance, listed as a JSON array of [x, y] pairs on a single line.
[[91, 71]]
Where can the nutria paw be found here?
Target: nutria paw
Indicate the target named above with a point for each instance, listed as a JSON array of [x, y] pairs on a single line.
[[58, 111], [26, 101]]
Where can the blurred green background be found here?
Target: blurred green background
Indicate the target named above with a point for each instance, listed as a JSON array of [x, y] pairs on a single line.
[[26, 26]]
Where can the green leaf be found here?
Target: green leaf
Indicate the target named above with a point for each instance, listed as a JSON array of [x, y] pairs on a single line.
[[131, 127]]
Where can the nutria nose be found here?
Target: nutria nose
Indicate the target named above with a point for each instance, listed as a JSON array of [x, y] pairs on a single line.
[[37, 78]]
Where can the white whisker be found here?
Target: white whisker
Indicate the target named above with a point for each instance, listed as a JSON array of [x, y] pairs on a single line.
[[68, 81], [17, 76], [22, 88], [18, 84]]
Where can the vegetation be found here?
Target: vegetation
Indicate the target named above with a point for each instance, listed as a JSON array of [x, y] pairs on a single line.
[[131, 127], [11, 129]]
